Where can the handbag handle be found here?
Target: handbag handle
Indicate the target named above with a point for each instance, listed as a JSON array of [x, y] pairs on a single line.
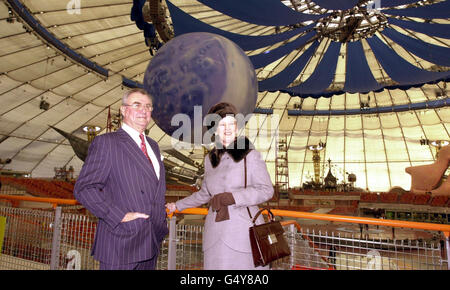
[[270, 214], [261, 210], [245, 176]]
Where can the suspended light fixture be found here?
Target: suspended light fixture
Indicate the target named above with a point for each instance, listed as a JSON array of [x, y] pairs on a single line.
[[439, 143], [91, 131], [44, 105]]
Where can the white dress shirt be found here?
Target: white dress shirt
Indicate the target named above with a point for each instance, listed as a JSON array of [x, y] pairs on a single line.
[[134, 134]]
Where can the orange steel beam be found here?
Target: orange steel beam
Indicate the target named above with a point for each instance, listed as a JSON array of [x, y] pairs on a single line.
[[340, 218], [53, 201], [278, 212]]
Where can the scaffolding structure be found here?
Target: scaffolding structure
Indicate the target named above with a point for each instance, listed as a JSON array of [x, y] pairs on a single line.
[[281, 169]]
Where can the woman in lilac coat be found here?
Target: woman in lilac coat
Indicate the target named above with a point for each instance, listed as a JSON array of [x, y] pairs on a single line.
[[226, 242]]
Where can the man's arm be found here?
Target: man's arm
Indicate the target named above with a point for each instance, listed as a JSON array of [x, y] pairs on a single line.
[[90, 186]]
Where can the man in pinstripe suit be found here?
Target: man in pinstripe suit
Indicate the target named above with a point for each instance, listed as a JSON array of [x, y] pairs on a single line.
[[122, 182]]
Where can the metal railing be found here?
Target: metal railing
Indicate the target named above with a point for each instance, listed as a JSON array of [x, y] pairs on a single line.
[[388, 245], [61, 238]]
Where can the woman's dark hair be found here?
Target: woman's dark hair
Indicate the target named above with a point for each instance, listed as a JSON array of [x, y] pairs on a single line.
[[222, 109]]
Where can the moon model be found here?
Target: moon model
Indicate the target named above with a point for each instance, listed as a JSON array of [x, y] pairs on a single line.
[[199, 69]]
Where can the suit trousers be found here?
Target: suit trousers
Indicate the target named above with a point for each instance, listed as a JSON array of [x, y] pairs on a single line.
[[143, 265]]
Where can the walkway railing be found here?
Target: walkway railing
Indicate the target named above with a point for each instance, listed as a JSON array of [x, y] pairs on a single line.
[[61, 238]]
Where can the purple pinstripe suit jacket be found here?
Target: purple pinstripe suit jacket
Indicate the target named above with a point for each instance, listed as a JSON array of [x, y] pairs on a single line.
[[117, 178]]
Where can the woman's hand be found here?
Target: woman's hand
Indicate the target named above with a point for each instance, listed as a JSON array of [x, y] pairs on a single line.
[[171, 207]]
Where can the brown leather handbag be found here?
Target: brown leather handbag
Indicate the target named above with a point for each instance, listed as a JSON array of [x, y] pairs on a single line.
[[267, 240]]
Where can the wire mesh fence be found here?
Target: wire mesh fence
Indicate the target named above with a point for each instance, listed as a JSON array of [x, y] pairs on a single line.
[[27, 241], [336, 251], [62, 239]]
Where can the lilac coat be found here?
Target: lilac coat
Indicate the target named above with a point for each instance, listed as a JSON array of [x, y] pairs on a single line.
[[117, 178], [228, 176]]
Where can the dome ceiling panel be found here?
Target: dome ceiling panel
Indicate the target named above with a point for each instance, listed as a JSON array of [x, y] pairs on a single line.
[[9, 61], [268, 99], [408, 120], [111, 46], [60, 108], [353, 123], [352, 101], [71, 87], [79, 117], [375, 146], [16, 118], [111, 97], [389, 121], [428, 117], [30, 155], [18, 42], [416, 95], [97, 91], [7, 84], [435, 132], [11, 29], [302, 124], [444, 115], [58, 14], [53, 81], [158, 133], [133, 59], [85, 26], [100, 37], [58, 155], [39, 68], [370, 122], [18, 96], [354, 149], [322, 104]]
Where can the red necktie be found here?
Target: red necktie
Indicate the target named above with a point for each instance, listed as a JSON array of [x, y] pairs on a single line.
[[143, 148]]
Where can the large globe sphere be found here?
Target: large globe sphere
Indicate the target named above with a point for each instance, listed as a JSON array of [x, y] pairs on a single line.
[[199, 69]]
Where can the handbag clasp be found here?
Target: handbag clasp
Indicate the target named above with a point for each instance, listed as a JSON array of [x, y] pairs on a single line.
[[272, 239]]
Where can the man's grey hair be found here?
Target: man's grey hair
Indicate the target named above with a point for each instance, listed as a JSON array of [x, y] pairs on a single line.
[[135, 90]]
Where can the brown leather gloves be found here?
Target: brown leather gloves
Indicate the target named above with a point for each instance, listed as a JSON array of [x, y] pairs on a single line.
[[220, 203]]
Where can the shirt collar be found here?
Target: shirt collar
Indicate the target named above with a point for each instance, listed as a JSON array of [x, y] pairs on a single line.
[[132, 132]]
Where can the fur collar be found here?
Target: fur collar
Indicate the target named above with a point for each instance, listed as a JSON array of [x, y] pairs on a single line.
[[237, 150]]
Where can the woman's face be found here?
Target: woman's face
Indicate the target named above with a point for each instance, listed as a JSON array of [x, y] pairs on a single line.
[[227, 130]]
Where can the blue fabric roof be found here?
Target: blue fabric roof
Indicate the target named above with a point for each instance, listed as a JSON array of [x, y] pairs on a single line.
[[268, 57], [401, 71], [438, 10], [392, 3], [436, 54], [322, 77], [336, 4], [430, 29], [290, 73], [261, 12], [358, 75], [186, 23], [433, 104]]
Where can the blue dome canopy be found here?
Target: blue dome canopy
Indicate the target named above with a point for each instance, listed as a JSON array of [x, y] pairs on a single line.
[[338, 27]]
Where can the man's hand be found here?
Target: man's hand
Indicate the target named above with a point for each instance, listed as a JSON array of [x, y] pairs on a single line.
[[134, 215]]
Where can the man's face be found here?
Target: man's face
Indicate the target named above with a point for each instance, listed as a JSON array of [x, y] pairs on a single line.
[[135, 112]]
